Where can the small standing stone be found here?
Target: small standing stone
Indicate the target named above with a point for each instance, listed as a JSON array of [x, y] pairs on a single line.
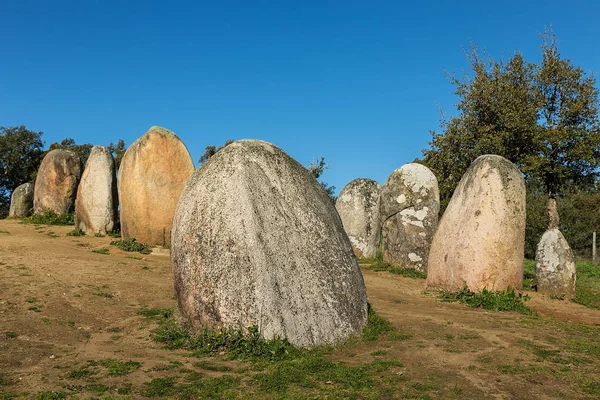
[[555, 265], [358, 207], [21, 201], [480, 240], [96, 204], [409, 207]]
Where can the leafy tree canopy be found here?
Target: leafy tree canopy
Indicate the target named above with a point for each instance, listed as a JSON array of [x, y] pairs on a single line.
[[82, 150], [543, 117], [20, 155]]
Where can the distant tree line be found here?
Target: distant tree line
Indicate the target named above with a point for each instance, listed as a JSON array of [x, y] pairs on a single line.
[[22, 151]]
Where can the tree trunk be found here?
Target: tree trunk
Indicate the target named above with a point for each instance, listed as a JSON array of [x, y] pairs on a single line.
[[552, 213]]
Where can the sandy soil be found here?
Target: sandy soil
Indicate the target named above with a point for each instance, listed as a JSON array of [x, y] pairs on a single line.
[[67, 305]]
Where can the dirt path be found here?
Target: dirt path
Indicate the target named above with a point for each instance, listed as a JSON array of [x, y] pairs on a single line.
[[63, 305]]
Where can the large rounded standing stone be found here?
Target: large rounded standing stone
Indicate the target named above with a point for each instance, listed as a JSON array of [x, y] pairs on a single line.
[[480, 239], [96, 203], [555, 265], [21, 201], [358, 207], [257, 241], [56, 182], [153, 172], [408, 209]]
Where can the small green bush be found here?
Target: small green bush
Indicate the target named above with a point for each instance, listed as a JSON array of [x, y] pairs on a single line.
[[76, 232], [49, 217], [498, 301], [131, 245]]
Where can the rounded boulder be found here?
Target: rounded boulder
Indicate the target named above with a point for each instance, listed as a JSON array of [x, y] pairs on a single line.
[[21, 201], [480, 239], [257, 241], [408, 209], [56, 182], [96, 203], [358, 207], [555, 265], [153, 172]]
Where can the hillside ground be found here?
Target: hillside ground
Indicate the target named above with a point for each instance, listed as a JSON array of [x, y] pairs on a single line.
[[70, 327]]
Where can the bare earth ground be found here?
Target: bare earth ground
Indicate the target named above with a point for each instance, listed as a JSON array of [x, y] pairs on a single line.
[[62, 305]]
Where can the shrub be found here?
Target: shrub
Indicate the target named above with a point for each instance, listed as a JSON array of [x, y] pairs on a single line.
[[498, 301], [49, 217], [131, 245]]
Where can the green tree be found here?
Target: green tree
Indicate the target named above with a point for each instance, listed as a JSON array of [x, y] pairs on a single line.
[[82, 150], [118, 151], [317, 168], [210, 151], [544, 118], [20, 156]]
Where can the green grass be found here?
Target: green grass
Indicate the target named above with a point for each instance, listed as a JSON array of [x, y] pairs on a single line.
[[103, 250], [114, 234], [529, 274], [498, 301], [10, 335], [50, 218], [119, 368], [76, 232], [377, 264], [4, 233], [131, 245], [587, 291]]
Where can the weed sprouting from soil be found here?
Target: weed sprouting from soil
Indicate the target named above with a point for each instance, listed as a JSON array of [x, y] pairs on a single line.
[[377, 264], [49, 217], [103, 250], [498, 301], [131, 245], [76, 232]]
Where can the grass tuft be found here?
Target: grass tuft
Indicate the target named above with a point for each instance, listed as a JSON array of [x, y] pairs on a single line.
[[76, 232], [497, 301], [131, 245], [49, 217]]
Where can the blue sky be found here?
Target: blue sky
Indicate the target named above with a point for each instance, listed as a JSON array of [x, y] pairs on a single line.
[[357, 82]]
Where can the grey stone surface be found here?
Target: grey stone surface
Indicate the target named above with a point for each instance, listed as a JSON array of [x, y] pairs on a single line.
[[56, 182], [480, 239], [96, 203], [358, 207], [408, 210], [555, 265], [152, 174], [257, 241], [21, 201]]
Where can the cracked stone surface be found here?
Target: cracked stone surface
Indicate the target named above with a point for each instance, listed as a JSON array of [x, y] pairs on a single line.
[[555, 265], [257, 241], [56, 182], [480, 239], [408, 212], [153, 172], [358, 207], [21, 201], [96, 203]]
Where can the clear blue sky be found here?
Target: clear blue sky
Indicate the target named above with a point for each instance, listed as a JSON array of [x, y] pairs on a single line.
[[358, 82]]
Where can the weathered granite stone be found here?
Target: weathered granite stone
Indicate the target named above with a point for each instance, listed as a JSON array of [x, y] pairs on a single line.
[[480, 239], [21, 201], [408, 210], [555, 265], [257, 241], [56, 182], [153, 172], [358, 207], [96, 203]]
